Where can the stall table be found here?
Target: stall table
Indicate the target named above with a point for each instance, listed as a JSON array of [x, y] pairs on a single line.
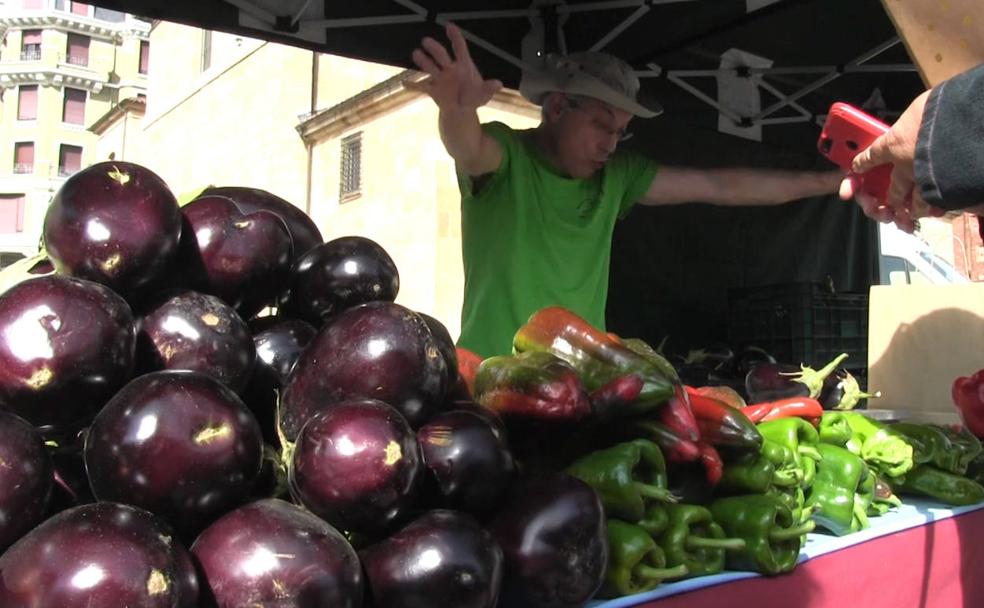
[[922, 555]]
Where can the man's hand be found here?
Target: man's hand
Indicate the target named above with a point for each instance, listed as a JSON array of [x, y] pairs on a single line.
[[897, 147], [455, 84]]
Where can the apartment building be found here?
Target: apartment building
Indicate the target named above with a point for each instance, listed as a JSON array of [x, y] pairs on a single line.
[[64, 65]]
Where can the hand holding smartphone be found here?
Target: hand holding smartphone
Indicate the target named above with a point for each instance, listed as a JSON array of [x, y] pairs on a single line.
[[847, 132]]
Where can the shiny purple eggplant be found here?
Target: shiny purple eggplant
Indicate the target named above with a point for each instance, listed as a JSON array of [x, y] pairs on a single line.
[[176, 443], [357, 466], [443, 558], [26, 477], [339, 274], [273, 553], [66, 346], [101, 554], [116, 223], [379, 350], [197, 332]]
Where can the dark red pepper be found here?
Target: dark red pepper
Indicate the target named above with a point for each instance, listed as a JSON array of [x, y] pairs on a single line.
[[678, 416], [968, 396], [713, 465], [675, 448], [723, 425]]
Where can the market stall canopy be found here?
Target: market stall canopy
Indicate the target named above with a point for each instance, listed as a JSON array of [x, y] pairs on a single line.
[[750, 62]]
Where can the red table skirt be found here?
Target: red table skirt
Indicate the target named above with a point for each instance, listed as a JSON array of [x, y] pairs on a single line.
[[939, 564]]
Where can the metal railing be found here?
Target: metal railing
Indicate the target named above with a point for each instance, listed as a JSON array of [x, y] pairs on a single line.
[[66, 172], [78, 60], [31, 55], [23, 167]]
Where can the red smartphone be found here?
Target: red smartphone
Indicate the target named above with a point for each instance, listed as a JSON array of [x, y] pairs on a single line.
[[847, 132]]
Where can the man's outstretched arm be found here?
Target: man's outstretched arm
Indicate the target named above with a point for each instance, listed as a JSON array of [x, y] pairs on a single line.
[[458, 89], [738, 187]]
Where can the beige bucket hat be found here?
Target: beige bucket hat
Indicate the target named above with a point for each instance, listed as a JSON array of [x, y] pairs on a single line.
[[591, 74]]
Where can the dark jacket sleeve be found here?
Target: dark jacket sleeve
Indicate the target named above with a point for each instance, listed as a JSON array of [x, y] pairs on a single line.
[[949, 161]]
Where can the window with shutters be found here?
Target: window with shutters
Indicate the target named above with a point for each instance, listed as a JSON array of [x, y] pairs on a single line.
[[78, 49], [79, 8], [31, 45], [350, 185], [27, 102], [69, 160], [11, 213], [73, 108], [24, 157], [144, 57]]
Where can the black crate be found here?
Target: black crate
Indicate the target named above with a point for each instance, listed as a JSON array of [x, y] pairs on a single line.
[[801, 323]]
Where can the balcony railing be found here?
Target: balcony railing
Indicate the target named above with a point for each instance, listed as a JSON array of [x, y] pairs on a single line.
[[23, 167], [77, 60], [66, 172], [31, 55]]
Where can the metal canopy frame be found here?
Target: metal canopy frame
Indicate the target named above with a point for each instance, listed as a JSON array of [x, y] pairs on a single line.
[[544, 14]]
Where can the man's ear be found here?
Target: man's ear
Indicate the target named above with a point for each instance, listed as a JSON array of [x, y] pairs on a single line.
[[554, 105]]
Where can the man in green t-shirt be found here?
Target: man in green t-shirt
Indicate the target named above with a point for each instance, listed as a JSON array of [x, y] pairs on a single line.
[[539, 206]]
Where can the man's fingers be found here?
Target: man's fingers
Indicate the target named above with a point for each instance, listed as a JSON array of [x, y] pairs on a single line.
[[437, 51], [423, 61], [875, 154], [458, 43], [849, 187], [899, 190]]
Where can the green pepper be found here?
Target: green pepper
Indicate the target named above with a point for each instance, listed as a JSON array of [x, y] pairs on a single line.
[[801, 439], [751, 473], [967, 447], [598, 358], [885, 449], [928, 442], [949, 488], [635, 562], [795, 500], [834, 498], [834, 429], [694, 540], [627, 477], [772, 535], [536, 386]]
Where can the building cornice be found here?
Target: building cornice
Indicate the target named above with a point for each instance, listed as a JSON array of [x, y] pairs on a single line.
[[70, 22], [15, 74], [385, 97], [136, 106]]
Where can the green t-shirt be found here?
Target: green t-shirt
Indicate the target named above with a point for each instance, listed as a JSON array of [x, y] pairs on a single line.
[[532, 237]]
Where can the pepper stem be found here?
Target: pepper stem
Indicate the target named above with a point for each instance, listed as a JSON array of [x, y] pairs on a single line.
[[810, 452], [703, 542], [659, 574], [785, 479], [781, 534], [654, 492]]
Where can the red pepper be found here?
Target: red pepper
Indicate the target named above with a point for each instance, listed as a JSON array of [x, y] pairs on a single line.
[[968, 396], [723, 425], [621, 390], [713, 465], [678, 416], [802, 407], [468, 363], [674, 447]]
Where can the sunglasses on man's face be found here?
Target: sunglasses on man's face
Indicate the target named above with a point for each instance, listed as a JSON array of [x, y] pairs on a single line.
[[601, 124]]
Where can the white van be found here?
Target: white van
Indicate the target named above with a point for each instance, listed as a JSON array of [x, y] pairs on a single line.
[[907, 259]]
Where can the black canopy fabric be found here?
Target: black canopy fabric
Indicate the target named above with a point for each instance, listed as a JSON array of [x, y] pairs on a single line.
[[671, 267]]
